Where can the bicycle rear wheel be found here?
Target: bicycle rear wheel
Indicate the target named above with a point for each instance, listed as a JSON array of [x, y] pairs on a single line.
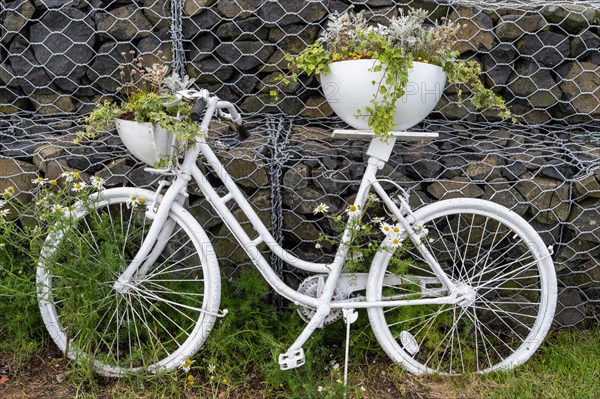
[[494, 256], [165, 316]]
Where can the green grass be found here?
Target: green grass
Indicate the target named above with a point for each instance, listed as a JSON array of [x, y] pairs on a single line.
[[245, 344], [566, 366]]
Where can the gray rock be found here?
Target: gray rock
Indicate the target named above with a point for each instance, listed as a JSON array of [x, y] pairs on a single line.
[[263, 102], [454, 166], [115, 172], [316, 107], [63, 43], [305, 201], [457, 187], [501, 192], [245, 55], [104, 72], [199, 23], [476, 31], [202, 47], [52, 103], [525, 114], [486, 169], [498, 62], [149, 47], [287, 12], [453, 109], [246, 29], [330, 181], [32, 76], [242, 164], [294, 38], [49, 3], [585, 44], [296, 177], [271, 82], [587, 185], [549, 198], [511, 27], [123, 23], [572, 18], [299, 229], [14, 17], [19, 175], [381, 15], [209, 70], [557, 169], [238, 9], [584, 221], [7, 75], [204, 213], [581, 85], [570, 308], [586, 275], [158, 13], [13, 101], [547, 48], [535, 84], [194, 7]]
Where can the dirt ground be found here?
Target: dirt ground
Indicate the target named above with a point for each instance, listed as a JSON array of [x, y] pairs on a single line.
[[47, 377]]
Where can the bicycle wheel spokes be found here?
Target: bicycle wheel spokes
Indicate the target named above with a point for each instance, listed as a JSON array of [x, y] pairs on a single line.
[[154, 325], [498, 268]]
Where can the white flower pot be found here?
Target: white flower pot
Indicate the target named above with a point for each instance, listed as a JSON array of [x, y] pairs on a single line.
[[349, 88], [147, 142]]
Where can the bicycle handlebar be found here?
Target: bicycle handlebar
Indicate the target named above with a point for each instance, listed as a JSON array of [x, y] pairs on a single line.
[[201, 98]]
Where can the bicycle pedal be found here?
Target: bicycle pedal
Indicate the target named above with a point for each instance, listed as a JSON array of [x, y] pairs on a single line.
[[291, 360], [409, 343]]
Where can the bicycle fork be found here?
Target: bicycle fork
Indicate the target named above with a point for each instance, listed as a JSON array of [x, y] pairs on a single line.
[[157, 237]]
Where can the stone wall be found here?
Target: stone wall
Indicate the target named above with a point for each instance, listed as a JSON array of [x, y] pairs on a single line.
[[59, 56], [543, 175]]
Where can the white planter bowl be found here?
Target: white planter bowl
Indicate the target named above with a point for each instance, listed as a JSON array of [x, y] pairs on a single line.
[[147, 142], [348, 89]]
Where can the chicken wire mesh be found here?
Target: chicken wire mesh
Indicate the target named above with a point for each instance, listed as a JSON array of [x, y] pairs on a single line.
[[57, 59]]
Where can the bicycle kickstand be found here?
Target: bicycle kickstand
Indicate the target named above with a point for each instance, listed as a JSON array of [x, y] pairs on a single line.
[[350, 316]]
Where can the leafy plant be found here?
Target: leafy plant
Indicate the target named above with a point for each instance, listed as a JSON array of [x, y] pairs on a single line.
[[396, 46], [145, 91]]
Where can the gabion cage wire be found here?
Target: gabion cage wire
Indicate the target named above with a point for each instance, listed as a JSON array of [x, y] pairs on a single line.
[[57, 59]]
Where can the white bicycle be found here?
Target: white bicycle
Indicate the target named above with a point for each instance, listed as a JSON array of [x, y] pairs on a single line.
[[131, 283]]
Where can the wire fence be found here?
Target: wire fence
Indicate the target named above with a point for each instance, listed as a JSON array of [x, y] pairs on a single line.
[[58, 59]]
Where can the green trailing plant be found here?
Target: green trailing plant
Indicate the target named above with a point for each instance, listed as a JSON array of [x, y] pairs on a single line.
[[144, 92], [406, 39]]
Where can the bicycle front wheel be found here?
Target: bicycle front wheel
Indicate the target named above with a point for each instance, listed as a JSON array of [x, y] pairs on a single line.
[[501, 265], [165, 315]]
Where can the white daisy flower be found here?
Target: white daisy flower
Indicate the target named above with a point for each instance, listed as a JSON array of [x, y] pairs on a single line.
[[4, 212], [40, 181], [78, 186], [396, 228], [318, 245], [2, 204], [187, 365], [353, 210], [70, 176], [386, 228], [57, 208], [378, 220], [321, 208], [97, 183], [132, 200], [211, 368], [395, 241]]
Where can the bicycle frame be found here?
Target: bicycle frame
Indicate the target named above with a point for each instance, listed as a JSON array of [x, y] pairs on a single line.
[[378, 152]]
